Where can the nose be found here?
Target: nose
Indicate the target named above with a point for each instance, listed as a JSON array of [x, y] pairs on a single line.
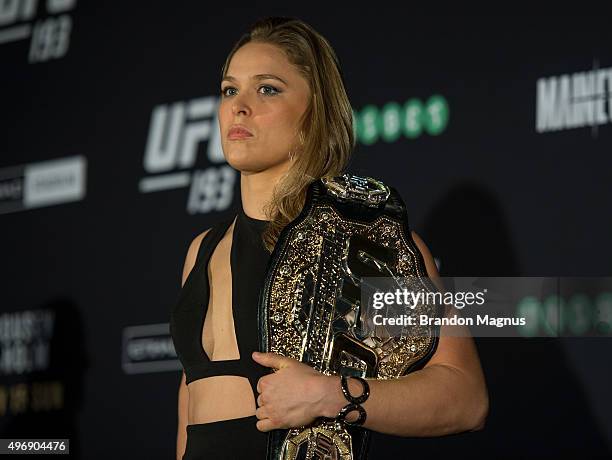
[[240, 105]]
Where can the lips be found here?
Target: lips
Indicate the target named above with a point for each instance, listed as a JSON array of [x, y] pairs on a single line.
[[239, 132]]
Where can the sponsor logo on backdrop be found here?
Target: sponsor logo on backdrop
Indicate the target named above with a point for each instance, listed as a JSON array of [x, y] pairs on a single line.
[[148, 348], [25, 350], [44, 183], [47, 24], [179, 133], [581, 99], [395, 121]]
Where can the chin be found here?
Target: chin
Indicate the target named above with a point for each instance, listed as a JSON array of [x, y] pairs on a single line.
[[248, 161], [244, 163]]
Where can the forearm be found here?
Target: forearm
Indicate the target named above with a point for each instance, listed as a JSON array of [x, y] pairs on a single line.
[[434, 401]]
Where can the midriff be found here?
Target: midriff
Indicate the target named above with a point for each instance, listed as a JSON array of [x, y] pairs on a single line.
[[221, 397]]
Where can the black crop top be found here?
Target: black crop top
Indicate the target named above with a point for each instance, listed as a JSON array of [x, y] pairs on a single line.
[[248, 262]]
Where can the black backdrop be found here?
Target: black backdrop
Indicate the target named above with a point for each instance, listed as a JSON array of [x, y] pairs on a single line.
[[88, 278]]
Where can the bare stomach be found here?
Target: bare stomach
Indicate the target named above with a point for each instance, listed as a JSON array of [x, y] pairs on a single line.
[[221, 397]]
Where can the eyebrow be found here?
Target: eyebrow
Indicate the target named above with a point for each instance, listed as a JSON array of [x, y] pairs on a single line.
[[261, 76]]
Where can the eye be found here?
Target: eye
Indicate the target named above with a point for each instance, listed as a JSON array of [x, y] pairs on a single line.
[[223, 90], [274, 93]]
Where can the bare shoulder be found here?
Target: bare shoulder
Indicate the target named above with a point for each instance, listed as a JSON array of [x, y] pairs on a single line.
[[192, 254]]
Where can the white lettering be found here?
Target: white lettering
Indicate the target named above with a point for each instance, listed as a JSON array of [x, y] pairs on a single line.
[[600, 90], [583, 86], [211, 189], [9, 11], [59, 6], [546, 104], [50, 39], [175, 133], [573, 102]]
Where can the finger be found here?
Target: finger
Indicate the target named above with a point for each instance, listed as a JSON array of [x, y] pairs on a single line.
[[265, 425], [260, 382], [260, 400], [273, 360], [261, 413]]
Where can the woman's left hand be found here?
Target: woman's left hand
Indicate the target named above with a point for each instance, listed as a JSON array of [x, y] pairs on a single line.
[[289, 397]]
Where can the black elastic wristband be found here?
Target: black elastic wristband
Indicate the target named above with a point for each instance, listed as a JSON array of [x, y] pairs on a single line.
[[355, 399], [349, 408]]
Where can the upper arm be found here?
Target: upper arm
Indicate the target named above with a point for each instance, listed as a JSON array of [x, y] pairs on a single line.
[[182, 385], [457, 352], [183, 415], [192, 254], [430, 264]]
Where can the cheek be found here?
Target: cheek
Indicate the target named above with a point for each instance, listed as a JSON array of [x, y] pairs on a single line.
[[224, 113], [280, 124], [276, 137]]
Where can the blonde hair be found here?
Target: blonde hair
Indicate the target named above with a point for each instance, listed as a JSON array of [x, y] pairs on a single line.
[[326, 129]]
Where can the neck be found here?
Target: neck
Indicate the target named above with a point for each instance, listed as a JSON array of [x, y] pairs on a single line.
[[256, 189]]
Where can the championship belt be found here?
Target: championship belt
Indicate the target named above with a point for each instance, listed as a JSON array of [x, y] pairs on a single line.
[[310, 307]]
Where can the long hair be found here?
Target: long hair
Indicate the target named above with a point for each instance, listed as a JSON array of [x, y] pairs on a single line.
[[327, 135]]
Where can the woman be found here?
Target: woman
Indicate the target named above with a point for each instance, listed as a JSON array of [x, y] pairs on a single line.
[[285, 120]]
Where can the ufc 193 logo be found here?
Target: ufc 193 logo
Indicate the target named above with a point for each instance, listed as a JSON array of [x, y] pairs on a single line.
[[50, 36], [177, 132]]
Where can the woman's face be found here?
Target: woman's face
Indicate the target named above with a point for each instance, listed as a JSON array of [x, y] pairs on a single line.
[[266, 94]]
